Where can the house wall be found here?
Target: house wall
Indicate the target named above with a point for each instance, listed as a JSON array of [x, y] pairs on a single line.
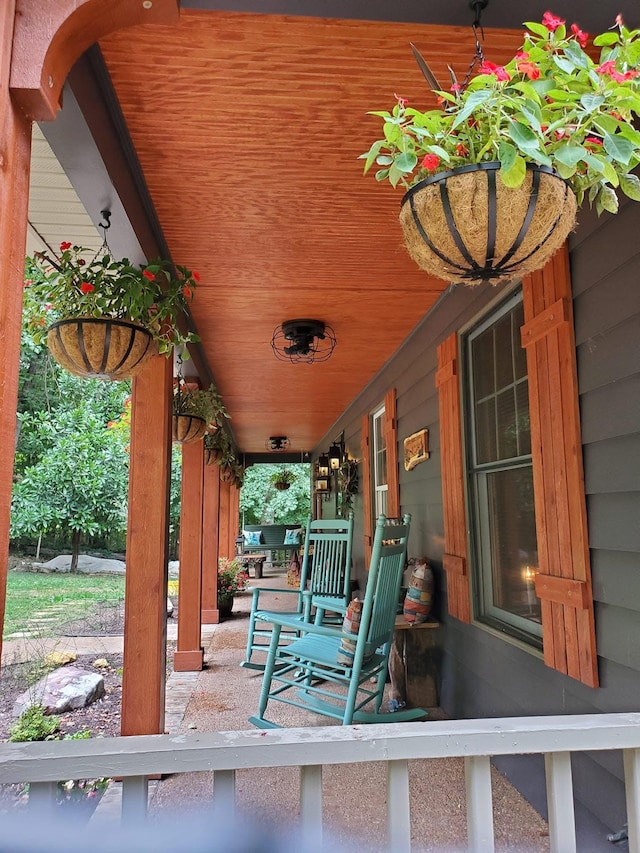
[[484, 674]]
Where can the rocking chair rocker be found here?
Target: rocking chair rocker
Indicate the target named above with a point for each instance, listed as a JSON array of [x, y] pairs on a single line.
[[330, 671], [325, 585]]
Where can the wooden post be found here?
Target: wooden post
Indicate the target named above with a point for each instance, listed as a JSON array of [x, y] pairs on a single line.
[[224, 511], [210, 543], [15, 153], [189, 655], [145, 620]]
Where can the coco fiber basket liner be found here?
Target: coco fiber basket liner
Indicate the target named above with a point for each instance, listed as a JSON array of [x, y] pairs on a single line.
[[100, 348], [467, 226]]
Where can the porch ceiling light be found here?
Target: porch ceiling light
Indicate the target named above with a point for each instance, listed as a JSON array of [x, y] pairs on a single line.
[[277, 443], [300, 341]]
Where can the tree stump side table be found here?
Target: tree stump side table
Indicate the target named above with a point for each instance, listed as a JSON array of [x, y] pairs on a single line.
[[414, 664]]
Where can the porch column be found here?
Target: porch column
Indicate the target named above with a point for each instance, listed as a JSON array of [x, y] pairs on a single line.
[[15, 153], [224, 512], [189, 655], [210, 544], [145, 619]]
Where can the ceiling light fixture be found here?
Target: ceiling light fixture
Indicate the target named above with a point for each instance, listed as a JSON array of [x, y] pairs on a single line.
[[300, 341], [277, 443]]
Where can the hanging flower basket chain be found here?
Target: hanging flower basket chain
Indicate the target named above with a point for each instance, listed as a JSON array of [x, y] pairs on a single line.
[[496, 174]]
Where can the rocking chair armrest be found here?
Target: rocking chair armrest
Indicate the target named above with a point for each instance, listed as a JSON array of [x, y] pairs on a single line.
[[309, 627], [275, 589]]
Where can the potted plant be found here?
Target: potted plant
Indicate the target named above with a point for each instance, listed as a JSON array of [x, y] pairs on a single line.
[[232, 578], [103, 318], [283, 479], [217, 445], [495, 174], [195, 411]]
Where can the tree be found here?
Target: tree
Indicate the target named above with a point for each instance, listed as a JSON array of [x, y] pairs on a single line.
[[262, 503]]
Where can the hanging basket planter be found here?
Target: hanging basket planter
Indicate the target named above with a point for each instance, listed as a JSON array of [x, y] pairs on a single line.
[[467, 226], [282, 487], [212, 456], [188, 428], [227, 474], [96, 348]]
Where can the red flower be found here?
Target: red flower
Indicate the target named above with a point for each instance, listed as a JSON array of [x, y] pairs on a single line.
[[592, 140], [28, 281], [402, 102], [551, 22], [48, 306], [530, 69], [500, 72], [148, 274], [81, 262], [86, 287], [196, 276], [64, 246], [455, 87], [581, 37], [462, 150], [187, 291], [431, 162], [522, 54]]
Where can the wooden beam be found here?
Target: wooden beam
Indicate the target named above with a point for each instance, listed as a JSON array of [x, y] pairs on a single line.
[[145, 619], [50, 35], [15, 154], [188, 655], [210, 544]]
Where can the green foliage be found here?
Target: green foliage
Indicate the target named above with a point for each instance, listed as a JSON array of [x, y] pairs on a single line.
[[33, 724], [262, 503], [550, 105], [80, 283], [201, 403]]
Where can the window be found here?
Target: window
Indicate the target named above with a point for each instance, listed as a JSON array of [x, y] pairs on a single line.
[[379, 458], [500, 474]]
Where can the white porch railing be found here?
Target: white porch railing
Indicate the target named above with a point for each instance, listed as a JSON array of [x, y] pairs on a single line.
[[133, 759]]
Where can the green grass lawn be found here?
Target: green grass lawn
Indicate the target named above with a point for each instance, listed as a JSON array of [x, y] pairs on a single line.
[[65, 597]]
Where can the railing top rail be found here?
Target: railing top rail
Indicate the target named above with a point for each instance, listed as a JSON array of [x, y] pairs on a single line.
[[160, 754]]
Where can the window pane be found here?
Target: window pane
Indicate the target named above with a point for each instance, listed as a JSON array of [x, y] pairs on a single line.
[[483, 362], [506, 415], [504, 353], [513, 546], [524, 426], [486, 432]]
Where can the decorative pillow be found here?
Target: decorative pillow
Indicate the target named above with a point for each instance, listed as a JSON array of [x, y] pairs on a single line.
[[252, 537], [292, 537], [351, 625]]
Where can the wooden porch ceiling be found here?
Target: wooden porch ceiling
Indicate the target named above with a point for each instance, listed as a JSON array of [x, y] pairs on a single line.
[[248, 128]]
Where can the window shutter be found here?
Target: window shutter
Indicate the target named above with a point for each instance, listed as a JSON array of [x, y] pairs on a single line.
[[366, 486], [564, 581], [455, 559], [391, 442]]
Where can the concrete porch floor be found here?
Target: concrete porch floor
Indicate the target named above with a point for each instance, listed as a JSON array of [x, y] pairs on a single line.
[[224, 695]]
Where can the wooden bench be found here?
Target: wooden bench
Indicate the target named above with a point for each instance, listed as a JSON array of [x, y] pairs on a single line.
[[253, 561], [272, 539]]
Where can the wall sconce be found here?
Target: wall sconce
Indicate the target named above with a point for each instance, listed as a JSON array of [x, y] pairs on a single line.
[[323, 465], [277, 443], [335, 457], [303, 341], [322, 484]]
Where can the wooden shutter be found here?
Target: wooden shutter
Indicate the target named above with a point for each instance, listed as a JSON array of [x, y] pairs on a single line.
[[390, 426], [564, 581], [455, 560], [366, 486]]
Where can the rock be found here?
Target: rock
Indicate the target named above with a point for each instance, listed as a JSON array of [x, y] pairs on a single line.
[[86, 564], [174, 568], [60, 658], [100, 663], [169, 607], [65, 689]]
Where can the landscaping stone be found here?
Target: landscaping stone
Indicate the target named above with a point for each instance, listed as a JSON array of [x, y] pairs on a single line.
[[86, 564], [65, 689], [60, 658]]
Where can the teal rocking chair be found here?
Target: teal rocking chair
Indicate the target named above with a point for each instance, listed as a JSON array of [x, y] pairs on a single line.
[[325, 588], [333, 673]]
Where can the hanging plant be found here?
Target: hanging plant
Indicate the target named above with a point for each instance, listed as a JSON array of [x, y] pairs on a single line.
[[195, 411], [495, 175], [283, 479], [104, 318]]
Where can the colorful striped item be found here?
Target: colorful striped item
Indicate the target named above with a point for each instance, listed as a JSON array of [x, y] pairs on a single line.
[[417, 601]]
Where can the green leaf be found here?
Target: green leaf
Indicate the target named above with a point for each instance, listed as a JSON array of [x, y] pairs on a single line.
[[630, 186], [382, 174], [507, 154], [537, 28], [474, 100], [607, 200], [577, 55], [618, 147], [515, 175], [564, 64], [569, 155], [565, 171], [384, 160], [591, 103], [606, 39], [406, 162], [372, 154]]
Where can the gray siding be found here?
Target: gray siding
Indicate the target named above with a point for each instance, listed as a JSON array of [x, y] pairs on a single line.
[[483, 674]]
